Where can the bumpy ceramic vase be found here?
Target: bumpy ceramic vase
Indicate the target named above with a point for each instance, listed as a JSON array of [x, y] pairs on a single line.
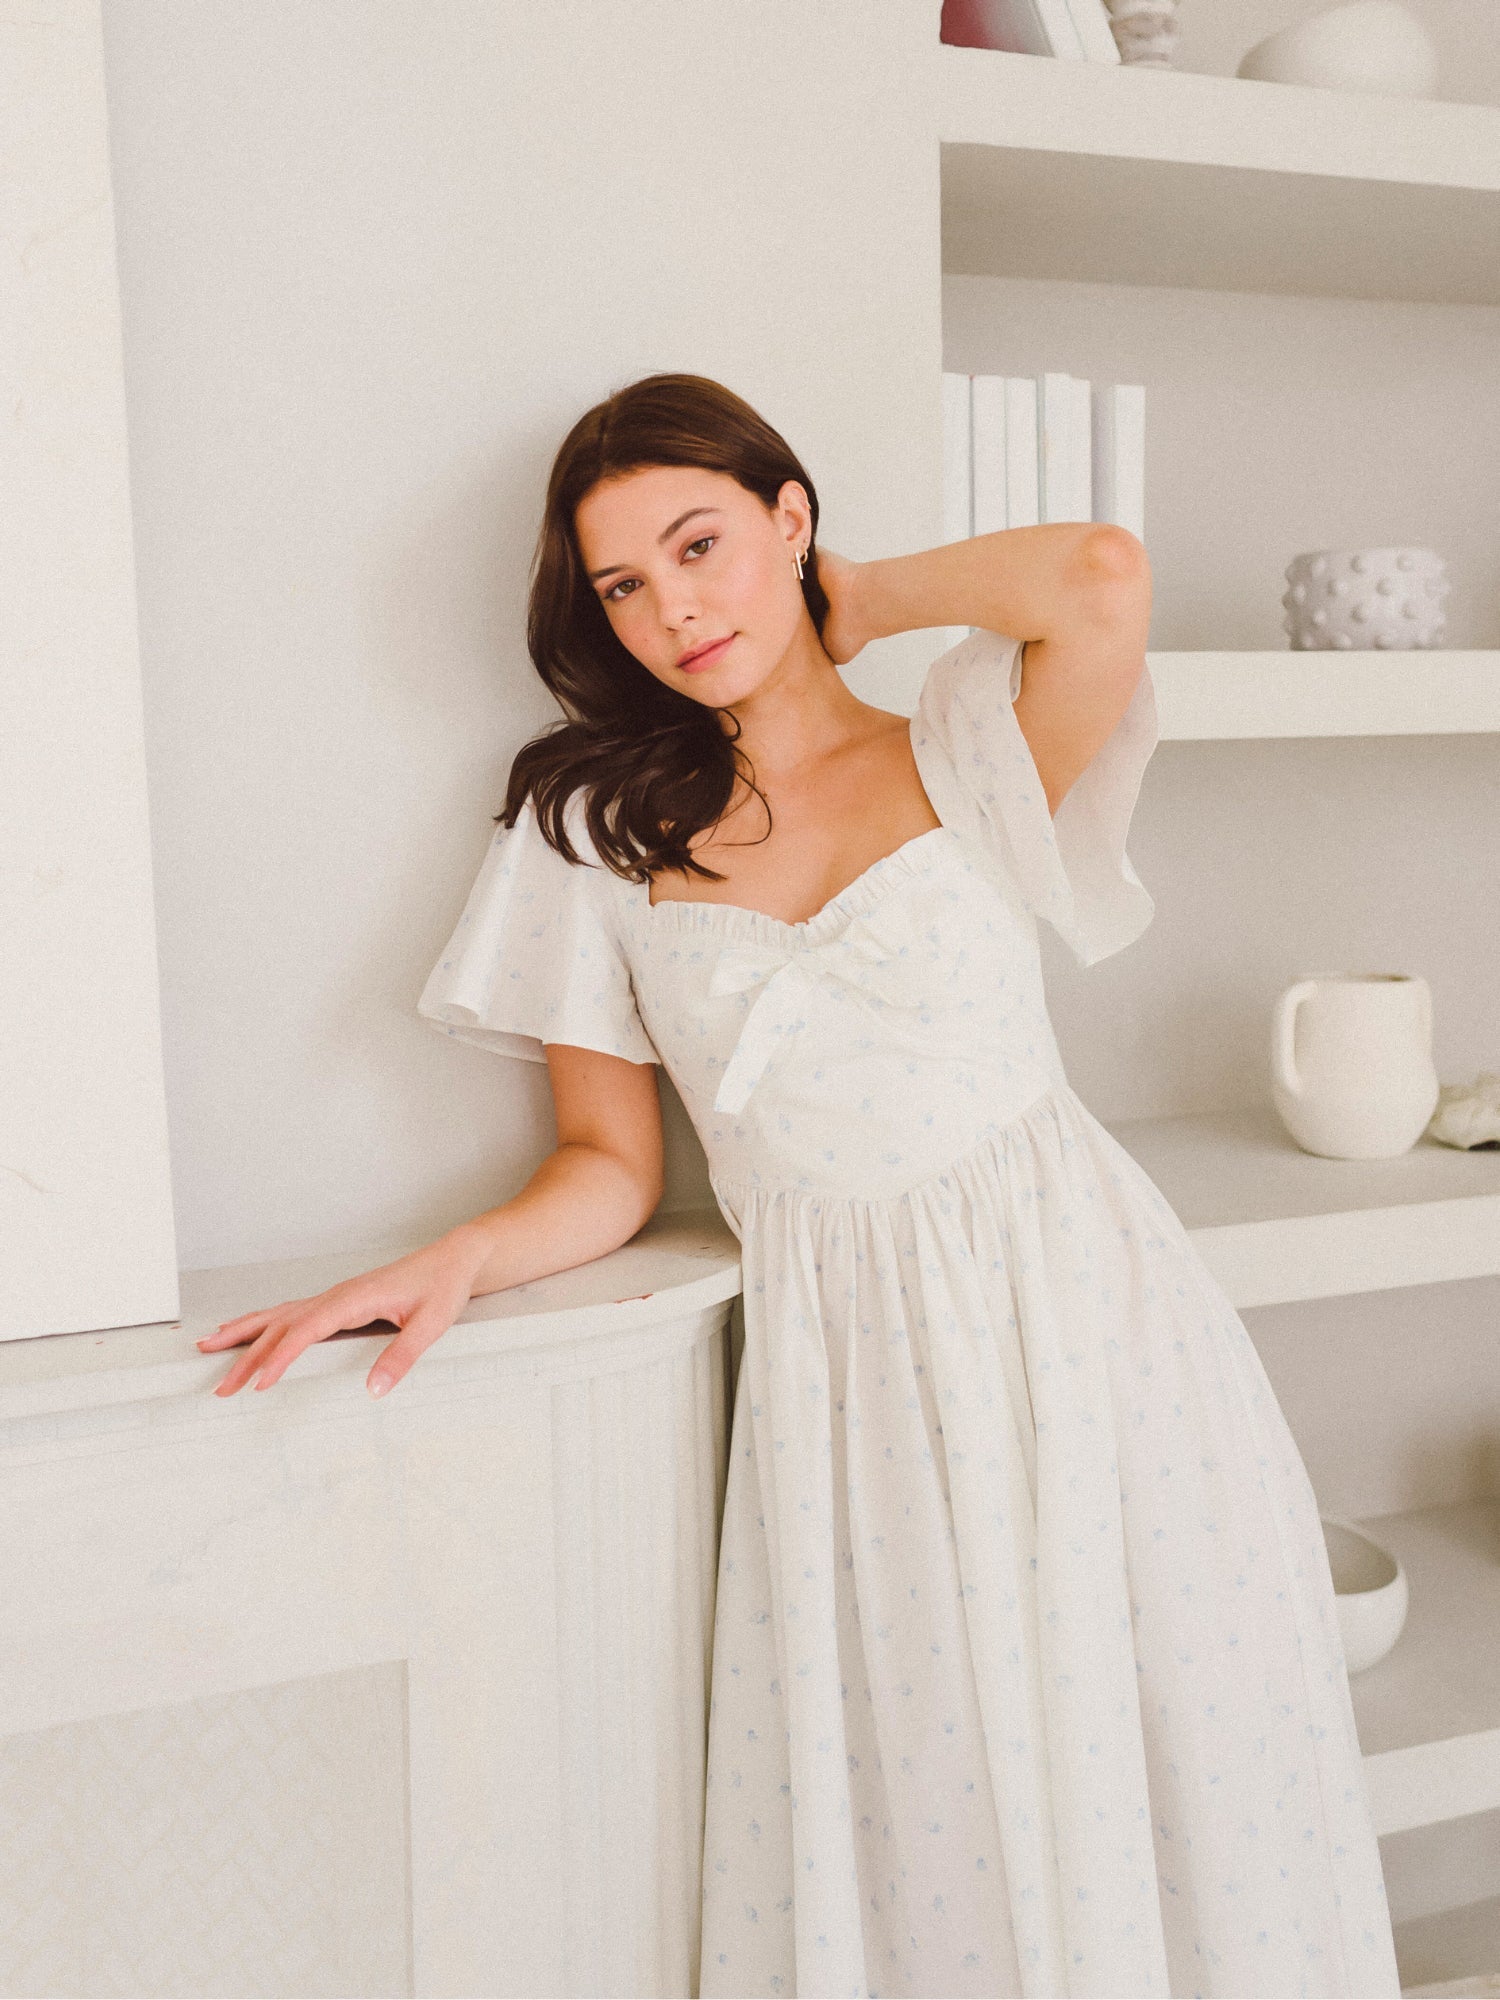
[[1365, 598]]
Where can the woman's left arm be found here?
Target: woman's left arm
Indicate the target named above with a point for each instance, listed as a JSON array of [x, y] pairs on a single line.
[[1024, 582], [1077, 592]]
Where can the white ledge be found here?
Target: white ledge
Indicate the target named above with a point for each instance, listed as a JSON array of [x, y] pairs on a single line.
[[1179, 117], [1231, 696], [1275, 1224], [677, 1266], [1121, 174]]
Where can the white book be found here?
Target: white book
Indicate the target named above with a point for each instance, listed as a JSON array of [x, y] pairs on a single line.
[[1081, 450], [1058, 26], [958, 475], [991, 511], [1022, 501], [1119, 455], [1057, 483], [958, 488], [1031, 28], [1091, 23]]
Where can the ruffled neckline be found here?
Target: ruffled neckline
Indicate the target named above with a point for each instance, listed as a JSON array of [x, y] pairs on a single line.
[[912, 858]]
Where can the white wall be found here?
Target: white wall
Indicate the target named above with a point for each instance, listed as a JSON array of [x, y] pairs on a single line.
[[375, 258]]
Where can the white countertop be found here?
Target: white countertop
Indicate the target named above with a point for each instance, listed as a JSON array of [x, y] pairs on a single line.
[[676, 1265]]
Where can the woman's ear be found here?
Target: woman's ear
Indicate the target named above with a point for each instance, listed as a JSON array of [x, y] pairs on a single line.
[[796, 514]]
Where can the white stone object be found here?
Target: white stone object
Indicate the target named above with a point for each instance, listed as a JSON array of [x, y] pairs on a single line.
[[87, 1229], [1369, 1589], [1468, 1114], [1351, 1063], [1359, 599], [1377, 46], [1145, 31]]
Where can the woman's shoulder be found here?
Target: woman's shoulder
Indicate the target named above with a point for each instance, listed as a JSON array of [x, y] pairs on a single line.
[[589, 879], [533, 829]]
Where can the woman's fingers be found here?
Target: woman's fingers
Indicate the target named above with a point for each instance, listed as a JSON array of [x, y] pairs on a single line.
[[246, 1364], [428, 1324], [295, 1339], [422, 1293], [287, 1331], [231, 1332]]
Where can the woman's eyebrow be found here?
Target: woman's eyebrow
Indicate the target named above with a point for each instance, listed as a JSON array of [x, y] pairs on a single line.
[[610, 568]]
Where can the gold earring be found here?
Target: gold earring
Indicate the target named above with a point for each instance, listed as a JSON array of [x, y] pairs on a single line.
[[798, 558]]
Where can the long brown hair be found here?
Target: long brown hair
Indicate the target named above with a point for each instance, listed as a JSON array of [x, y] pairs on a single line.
[[656, 767]]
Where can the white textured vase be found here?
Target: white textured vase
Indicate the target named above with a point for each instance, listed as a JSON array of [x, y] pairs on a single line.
[[1377, 46], [1357, 599], [1145, 31]]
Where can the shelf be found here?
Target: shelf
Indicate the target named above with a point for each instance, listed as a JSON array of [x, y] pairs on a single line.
[[1219, 697], [680, 1263], [1129, 175], [1443, 1944], [1428, 1714], [1275, 1224]]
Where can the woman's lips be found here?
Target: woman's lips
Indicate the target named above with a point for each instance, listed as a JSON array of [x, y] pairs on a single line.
[[708, 658]]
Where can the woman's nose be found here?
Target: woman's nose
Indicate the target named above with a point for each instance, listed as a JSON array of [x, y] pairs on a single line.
[[681, 612]]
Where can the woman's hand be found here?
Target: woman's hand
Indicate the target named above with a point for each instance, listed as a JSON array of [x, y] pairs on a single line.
[[844, 630], [422, 1294]]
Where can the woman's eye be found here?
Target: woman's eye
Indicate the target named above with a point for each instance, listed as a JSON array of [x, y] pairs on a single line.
[[611, 597]]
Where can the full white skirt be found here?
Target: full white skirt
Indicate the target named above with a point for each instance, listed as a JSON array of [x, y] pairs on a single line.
[[1027, 1671]]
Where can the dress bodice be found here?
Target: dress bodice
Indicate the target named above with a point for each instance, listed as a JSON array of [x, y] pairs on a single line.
[[861, 1050], [858, 1051]]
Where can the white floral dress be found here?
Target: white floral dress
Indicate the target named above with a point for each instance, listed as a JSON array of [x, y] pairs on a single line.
[[1027, 1674]]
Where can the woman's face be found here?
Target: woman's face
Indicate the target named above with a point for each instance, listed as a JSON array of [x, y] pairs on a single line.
[[683, 559]]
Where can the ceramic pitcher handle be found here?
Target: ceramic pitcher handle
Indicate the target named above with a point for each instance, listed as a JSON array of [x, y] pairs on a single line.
[[1283, 1036]]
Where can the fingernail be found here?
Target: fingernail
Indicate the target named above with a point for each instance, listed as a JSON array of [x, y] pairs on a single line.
[[379, 1384]]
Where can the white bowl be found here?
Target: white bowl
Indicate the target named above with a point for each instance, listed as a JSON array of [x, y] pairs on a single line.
[[1369, 1589], [1366, 45]]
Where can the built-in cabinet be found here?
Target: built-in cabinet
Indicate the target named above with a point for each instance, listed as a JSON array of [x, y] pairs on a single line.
[[1063, 174]]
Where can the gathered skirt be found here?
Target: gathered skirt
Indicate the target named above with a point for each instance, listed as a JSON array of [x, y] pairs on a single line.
[[1027, 1673]]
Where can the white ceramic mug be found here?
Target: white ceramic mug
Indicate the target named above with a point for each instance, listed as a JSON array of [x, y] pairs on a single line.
[[1351, 1063]]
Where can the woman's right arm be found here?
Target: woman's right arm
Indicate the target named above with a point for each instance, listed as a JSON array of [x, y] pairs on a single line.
[[601, 1184]]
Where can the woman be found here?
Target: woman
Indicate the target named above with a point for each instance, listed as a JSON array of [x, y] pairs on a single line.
[[1027, 1675]]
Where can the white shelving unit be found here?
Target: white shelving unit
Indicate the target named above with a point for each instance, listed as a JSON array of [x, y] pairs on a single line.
[[1155, 177], [1429, 1712], [1275, 1224], [1080, 172], [1216, 697]]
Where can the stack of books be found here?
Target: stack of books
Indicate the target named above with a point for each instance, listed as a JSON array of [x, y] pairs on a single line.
[[1022, 450], [1076, 29]]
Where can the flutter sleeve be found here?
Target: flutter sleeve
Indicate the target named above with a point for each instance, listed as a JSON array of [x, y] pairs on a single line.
[[536, 956], [1071, 868]]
